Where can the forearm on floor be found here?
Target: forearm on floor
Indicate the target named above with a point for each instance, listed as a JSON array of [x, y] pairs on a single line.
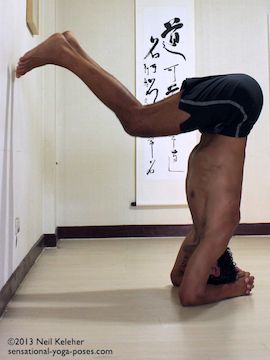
[[213, 293]]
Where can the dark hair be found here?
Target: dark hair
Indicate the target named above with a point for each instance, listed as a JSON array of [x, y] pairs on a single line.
[[228, 270]]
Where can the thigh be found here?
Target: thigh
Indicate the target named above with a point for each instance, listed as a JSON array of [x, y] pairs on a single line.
[[159, 119]]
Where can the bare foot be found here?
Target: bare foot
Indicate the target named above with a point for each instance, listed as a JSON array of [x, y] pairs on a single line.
[[51, 51]]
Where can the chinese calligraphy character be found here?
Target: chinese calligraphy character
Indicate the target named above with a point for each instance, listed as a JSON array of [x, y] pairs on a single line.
[[172, 28], [172, 88], [155, 41], [151, 170]]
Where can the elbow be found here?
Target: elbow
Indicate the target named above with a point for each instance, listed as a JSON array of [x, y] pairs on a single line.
[[190, 298], [187, 301], [175, 279]]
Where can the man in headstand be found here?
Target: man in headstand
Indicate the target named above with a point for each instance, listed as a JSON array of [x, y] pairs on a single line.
[[224, 108]]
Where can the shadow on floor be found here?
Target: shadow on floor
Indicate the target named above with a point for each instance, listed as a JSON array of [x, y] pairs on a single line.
[[149, 305]]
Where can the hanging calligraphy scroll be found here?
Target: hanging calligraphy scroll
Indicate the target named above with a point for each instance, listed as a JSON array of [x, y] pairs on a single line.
[[165, 56]]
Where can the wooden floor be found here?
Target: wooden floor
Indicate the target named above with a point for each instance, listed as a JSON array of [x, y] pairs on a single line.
[[115, 295]]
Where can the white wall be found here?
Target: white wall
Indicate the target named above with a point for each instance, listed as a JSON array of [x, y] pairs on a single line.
[[232, 36], [49, 126], [96, 172], [21, 140]]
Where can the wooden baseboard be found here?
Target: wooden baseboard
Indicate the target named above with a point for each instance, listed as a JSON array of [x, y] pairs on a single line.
[[9, 289], [17, 277], [119, 231], [253, 229], [50, 240]]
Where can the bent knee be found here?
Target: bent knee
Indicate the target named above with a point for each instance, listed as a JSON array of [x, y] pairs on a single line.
[[133, 121]]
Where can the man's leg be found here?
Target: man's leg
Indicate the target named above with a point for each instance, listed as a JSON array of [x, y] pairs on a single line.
[[71, 39], [160, 119], [216, 176]]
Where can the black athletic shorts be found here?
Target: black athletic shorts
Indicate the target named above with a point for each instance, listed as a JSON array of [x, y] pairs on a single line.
[[223, 104]]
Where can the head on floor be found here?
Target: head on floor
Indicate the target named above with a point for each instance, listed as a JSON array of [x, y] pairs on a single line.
[[225, 271]]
